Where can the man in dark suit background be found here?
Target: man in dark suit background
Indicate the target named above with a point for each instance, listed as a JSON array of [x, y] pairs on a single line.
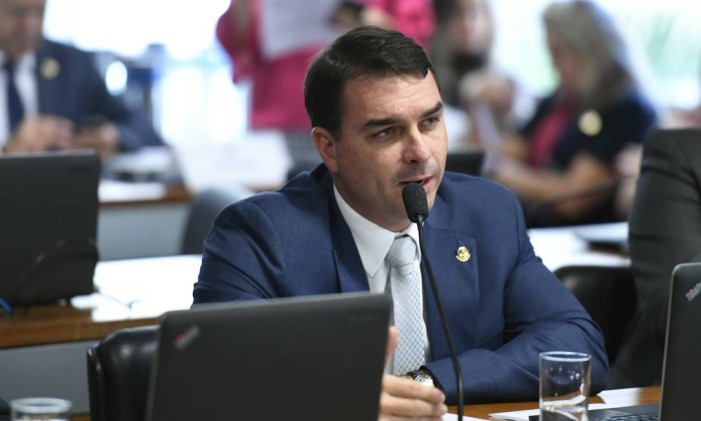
[[64, 101], [377, 114], [664, 231]]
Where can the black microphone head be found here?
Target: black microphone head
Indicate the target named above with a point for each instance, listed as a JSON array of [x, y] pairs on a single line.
[[415, 202]]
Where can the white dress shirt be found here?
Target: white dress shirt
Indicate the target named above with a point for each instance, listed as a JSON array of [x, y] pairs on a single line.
[[26, 85], [373, 243]]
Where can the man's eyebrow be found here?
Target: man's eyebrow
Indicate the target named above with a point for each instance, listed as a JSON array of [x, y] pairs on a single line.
[[436, 108], [380, 122]]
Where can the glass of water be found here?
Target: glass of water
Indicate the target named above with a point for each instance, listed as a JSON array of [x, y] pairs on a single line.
[[40, 409], [564, 386]]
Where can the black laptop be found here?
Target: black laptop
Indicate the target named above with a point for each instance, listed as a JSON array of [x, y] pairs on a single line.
[[681, 378], [48, 223], [303, 358]]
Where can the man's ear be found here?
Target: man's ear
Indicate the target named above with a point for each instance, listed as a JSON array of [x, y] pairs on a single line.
[[325, 144]]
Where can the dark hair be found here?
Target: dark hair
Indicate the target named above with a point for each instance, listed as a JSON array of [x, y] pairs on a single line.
[[363, 51]]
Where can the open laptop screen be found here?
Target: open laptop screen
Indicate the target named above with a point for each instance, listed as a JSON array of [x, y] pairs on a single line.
[[48, 222]]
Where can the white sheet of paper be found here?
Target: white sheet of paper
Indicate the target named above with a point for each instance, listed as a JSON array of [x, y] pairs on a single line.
[[523, 415], [258, 161], [453, 417], [289, 25]]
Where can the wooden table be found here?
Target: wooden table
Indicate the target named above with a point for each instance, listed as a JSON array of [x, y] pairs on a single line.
[[617, 397]]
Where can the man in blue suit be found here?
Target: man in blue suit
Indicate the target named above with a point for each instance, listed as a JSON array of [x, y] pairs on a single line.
[[377, 114], [63, 100]]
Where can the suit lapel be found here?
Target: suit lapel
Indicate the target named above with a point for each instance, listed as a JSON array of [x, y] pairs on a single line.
[[47, 72], [349, 266], [456, 277]]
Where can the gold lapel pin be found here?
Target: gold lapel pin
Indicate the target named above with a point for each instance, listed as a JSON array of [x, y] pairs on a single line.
[[590, 123], [463, 254], [50, 68]]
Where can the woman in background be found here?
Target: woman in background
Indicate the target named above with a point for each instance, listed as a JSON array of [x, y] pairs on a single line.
[[561, 163], [462, 55]]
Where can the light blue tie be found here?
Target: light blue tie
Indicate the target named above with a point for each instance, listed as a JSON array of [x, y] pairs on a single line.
[[408, 313]]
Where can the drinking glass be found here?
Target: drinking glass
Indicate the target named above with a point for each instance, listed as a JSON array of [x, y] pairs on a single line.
[[40, 409], [564, 386]]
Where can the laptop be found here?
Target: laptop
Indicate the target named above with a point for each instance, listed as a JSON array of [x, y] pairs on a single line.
[[681, 376], [48, 223], [301, 358]]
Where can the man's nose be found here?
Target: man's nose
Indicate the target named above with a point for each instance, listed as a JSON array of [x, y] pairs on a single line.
[[416, 149]]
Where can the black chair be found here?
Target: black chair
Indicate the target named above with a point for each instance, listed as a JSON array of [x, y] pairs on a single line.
[[119, 367], [203, 211], [468, 162], [608, 294]]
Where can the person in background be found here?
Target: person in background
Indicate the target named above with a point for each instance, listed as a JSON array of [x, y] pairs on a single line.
[[462, 54], [664, 231], [561, 163], [277, 83], [53, 96], [377, 116]]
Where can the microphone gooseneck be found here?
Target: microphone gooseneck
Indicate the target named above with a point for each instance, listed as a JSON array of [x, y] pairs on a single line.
[[416, 206]]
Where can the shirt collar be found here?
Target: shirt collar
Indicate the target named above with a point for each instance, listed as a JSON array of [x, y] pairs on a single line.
[[25, 61], [373, 241]]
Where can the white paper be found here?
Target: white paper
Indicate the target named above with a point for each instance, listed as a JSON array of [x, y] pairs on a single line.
[[289, 25], [121, 191], [259, 161], [523, 415], [453, 417]]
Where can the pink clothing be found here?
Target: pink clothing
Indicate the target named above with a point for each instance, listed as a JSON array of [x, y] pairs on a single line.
[[277, 85], [413, 18], [547, 134]]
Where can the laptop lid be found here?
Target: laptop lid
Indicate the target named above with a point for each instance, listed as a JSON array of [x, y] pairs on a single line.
[[48, 222], [301, 358], [681, 374]]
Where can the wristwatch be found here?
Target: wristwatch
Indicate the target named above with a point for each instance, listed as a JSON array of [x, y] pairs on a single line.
[[422, 376]]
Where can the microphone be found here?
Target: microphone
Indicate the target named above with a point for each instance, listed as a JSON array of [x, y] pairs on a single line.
[[416, 206]]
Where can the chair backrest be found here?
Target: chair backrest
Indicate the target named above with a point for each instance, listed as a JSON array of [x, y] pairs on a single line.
[[468, 162], [204, 209], [119, 367], [608, 294]]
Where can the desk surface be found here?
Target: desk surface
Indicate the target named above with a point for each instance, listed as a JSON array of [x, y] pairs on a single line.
[[617, 397], [131, 293], [136, 292], [562, 246]]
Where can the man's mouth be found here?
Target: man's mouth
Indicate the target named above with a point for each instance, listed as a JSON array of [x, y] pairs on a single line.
[[419, 181]]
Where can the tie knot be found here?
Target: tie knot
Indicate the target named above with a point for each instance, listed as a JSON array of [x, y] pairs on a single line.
[[402, 252], [9, 65]]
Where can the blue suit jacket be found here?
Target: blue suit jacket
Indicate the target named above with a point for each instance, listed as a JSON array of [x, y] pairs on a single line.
[[503, 305], [76, 90]]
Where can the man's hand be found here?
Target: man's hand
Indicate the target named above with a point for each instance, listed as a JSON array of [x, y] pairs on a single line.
[[41, 133], [404, 398], [103, 138]]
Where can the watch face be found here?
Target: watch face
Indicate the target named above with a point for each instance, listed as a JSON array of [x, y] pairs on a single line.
[[424, 379]]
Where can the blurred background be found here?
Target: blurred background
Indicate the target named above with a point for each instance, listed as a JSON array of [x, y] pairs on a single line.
[[163, 55]]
